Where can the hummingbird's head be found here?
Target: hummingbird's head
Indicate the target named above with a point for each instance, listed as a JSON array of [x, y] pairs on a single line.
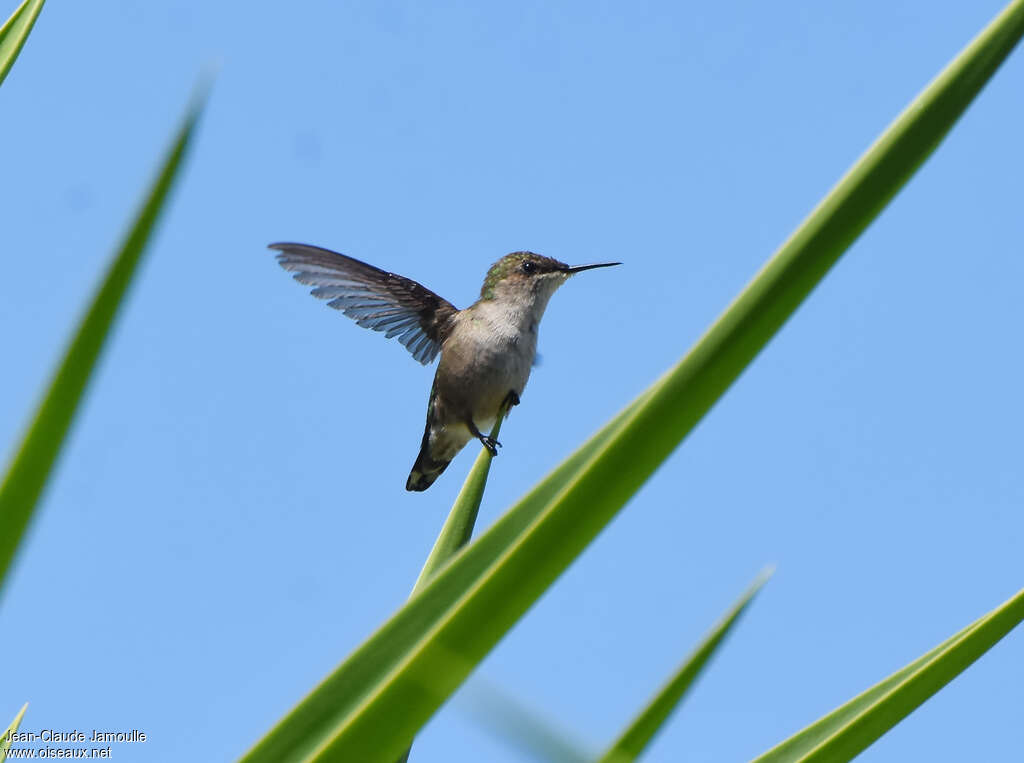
[[525, 276]]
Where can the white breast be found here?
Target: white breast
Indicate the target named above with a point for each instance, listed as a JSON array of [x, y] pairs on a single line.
[[506, 338], [498, 346]]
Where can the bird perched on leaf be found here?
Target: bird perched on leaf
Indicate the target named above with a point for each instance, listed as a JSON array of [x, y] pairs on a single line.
[[486, 350]]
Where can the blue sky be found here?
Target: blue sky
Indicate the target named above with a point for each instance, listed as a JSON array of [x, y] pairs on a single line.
[[229, 518]]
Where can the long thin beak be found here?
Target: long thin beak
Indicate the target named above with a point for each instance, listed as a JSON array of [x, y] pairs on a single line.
[[581, 268]]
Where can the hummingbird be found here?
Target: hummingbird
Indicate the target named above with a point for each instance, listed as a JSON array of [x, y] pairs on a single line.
[[487, 350]]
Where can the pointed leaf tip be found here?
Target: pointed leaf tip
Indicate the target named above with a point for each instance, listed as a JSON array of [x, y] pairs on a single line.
[[856, 725], [5, 739], [638, 735], [15, 31], [34, 461]]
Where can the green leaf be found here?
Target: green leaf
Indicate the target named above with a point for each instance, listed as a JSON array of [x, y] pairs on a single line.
[[15, 31], [458, 527], [297, 735], [639, 733], [33, 463], [5, 740], [531, 732], [851, 728], [536, 735], [371, 706]]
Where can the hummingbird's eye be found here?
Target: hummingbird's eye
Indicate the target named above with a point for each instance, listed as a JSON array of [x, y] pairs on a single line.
[[528, 267]]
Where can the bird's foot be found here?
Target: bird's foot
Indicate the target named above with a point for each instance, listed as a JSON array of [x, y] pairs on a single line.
[[491, 444], [511, 399]]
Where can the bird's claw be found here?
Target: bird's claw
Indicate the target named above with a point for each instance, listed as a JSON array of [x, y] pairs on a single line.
[[491, 444], [511, 399]]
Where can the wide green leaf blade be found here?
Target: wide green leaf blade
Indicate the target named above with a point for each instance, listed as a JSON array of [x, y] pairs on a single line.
[[5, 740], [371, 706], [632, 741], [296, 736], [33, 462], [15, 31], [851, 728]]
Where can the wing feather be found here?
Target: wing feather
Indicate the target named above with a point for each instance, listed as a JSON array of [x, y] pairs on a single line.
[[373, 298]]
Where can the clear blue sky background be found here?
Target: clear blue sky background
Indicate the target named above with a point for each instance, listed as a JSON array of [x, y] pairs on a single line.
[[228, 520]]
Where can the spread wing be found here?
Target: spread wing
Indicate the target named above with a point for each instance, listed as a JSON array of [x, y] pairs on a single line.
[[374, 298]]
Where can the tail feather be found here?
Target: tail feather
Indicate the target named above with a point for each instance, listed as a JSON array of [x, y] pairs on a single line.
[[424, 471]]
